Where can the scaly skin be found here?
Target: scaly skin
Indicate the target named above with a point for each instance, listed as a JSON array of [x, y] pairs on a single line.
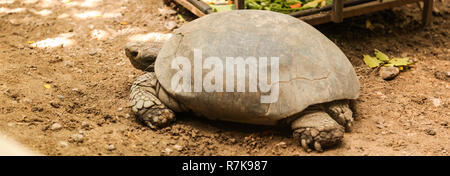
[[315, 129], [146, 105], [340, 111]]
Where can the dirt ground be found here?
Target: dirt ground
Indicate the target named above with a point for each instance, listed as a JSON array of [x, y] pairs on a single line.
[[65, 81]]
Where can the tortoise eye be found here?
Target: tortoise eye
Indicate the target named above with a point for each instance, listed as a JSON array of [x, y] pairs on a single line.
[[134, 53]]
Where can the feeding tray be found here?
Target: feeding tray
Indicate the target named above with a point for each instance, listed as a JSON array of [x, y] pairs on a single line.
[[333, 11]]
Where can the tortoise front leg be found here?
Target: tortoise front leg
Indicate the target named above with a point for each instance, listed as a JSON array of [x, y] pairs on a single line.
[[316, 129], [146, 105]]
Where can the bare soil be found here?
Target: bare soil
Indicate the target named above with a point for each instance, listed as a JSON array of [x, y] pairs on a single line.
[[65, 81]]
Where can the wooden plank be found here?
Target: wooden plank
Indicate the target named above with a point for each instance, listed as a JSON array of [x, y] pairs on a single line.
[[190, 7], [427, 12], [336, 11], [317, 18], [240, 4], [357, 10], [375, 6]]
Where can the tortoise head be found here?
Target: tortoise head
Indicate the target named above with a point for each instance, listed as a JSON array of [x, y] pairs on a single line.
[[142, 55]]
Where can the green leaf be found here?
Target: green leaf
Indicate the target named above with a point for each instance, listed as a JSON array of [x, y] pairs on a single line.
[[381, 56], [372, 62], [400, 61], [181, 18]]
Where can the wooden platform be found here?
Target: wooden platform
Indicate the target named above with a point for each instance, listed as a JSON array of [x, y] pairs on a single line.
[[337, 13]]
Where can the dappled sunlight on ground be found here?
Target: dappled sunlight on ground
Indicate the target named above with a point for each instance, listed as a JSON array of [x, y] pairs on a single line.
[[95, 14], [7, 10], [64, 15], [104, 34], [29, 1], [6, 1], [88, 14], [152, 36], [48, 3], [99, 34], [44, 12], [127, 30], [76, 11], [85, 3], [63, 40], [112, 15], [71, 6]]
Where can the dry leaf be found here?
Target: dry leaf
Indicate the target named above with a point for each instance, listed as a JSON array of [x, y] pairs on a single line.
[[369, 25], [381, 56], [372, 62]]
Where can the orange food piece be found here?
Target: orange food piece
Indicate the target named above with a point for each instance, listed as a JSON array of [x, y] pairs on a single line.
[[230, 2], [298, 5]]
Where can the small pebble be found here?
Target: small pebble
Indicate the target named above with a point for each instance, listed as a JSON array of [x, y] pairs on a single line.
[[379, 126], [430, 132], [92, 52], [60, 97], [388, 73], [85, 125], [232, 140], [170, 25], [441, 75], [63, 143], [168, 150], [78, 138], [111, 147], [56, 126], [27, 100], [69, 63], [436, 102], [54, 104], [282, 145], [178, 147]]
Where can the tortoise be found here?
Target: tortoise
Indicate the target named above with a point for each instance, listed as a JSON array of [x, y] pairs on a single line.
[[316, 81]]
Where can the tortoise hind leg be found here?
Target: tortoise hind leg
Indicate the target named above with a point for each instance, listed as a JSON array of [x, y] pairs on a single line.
[[315, 129], [341, 112], [146, 106]]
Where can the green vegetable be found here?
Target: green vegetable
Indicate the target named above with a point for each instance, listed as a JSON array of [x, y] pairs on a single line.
[[222, 8], [282, 6], [311, 4]]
